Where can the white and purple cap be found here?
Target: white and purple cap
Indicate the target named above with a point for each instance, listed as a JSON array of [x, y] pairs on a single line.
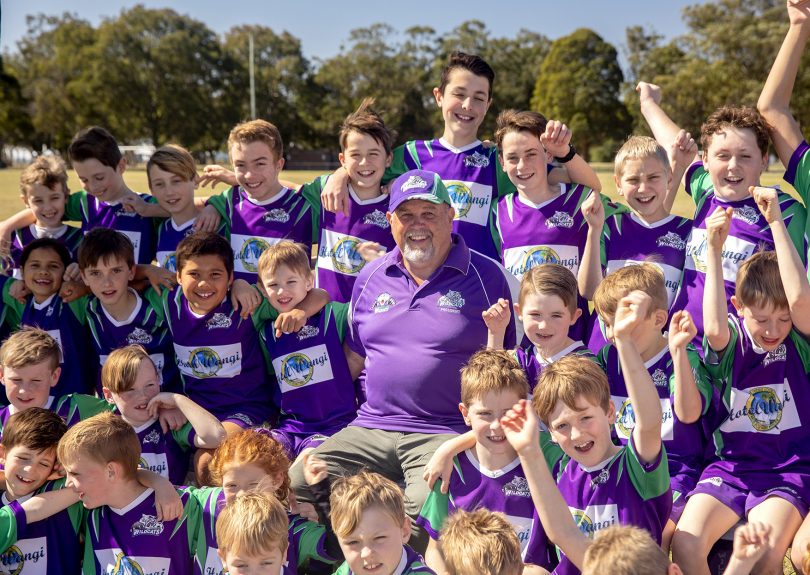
[[418, 185]]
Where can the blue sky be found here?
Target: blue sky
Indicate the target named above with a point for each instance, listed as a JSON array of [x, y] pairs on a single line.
[[323, 25]]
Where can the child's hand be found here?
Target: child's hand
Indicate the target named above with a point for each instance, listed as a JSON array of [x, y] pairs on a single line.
[[168, 504], [593, 210], [72, 273], [440, 466], [18, 291], [717, 225], [335, 194], [497, 317], [135, 203], [521, 428], [159, 277], [767, 201], [556, 139], [648, 93], [290, 322], [163, 400], [683, 149], [682, 330], [305, 510], [245, 297], [71, 291], [370, 251], [630, 312], [798, 12], [751, 541], [171, 419], [208, 220], [315, 469], [214, 174]]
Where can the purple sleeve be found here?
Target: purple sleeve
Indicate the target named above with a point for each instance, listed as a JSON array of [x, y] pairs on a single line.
[[20, 517], [793, 164]]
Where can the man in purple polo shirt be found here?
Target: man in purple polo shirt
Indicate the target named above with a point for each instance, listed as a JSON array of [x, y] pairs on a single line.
[[415, 320]]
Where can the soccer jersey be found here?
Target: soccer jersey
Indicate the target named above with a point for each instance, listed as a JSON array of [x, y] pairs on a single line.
[[76, 407], [798, 176], [68, 236], [411, 563], [166, 454], [619, 491], [93, 213], [685, 443], [505, 490], [418, 391], [133, 540], [474, 180], [338, 236], [47, 547], [145, 326], [315, 389], [169, 234], [764, 395], [219, 358], [255, 226], [533, 362], [748, 233]]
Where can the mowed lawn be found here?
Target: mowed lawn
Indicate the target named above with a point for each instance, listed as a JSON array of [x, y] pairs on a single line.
[[136, 179]]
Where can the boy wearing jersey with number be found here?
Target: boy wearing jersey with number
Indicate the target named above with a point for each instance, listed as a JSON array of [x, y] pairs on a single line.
[[680, 379], [761, 357], [489, 475]]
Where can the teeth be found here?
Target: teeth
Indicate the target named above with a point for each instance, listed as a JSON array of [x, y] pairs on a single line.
[[463, 117]]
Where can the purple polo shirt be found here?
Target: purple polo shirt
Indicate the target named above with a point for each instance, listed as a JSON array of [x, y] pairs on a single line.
[[416, 338]]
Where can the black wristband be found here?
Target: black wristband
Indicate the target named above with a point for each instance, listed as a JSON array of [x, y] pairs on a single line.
[[572, 151]]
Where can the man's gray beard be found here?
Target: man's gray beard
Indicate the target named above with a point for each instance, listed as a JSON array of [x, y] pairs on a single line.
[[416, 255]]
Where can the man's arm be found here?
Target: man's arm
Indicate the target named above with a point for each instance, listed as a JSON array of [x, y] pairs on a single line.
[[715, 308]]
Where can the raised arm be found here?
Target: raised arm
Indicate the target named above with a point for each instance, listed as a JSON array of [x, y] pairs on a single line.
[[715, 307], [774, 101], [557, 142], [497, 318], [590, 268], [209, 432], [630, 312], [688, 402], [681, 154], [663, 128]]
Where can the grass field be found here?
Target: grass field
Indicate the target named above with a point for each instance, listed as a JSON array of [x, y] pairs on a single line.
[[136, 179]]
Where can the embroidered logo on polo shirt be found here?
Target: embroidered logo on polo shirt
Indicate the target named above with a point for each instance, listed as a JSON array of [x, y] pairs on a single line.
[[279, 215], [747, 214], [139, 336], [476, 160], [518, 487], [152, 437], [383, 303], [671, 240], [414, 182], [49, 311], [307, 331], [376, 218], [147, 525], [451, 301], [218, 320], [779, 354], [560, 220], [660, 378]]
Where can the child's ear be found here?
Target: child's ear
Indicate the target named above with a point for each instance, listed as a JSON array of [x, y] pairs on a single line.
[[2, 455], [388, 159], [131, 273], [618, 181], [55, 375], [465, 413], [24, 199], [341, 159], [611, 412], [737, 305], [438, 96], [661, 317], [575, 316], [108, 396], [516, 307], [406, 530], [704, 157], [310, 282], [222, 557], [122, 166]]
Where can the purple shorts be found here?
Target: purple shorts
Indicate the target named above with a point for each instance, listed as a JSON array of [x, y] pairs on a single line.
[[294, 443], [741, 494], [681, 485]]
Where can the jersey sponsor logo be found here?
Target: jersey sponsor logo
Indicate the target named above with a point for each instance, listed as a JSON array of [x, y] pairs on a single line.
[[308, 331], [302, 368], [155, 462], [735, 251], [671, 240], [249, 252], [523, 529], [463, 199], [134, 237], [147, 525], [167, 260], [778, 354], [518, 487], [452, 301], [594, 518], [520, 260], [213, 564], [345, 257], [560, 220], [151, 437], [218, 321], [626, 417], [376, 218], [414, 182], [764, 409], [25, 556], [204, 362], [279, 215], [747, 214], [660, 378], [383, 303], [476, 160], [139, 336]]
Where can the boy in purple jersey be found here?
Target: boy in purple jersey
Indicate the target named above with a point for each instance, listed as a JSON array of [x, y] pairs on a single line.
[[648, 183], [761, 358], [117, 314], [346, 241], [316, 392], [681, 382], [43, 266], [368, 516], [480, 542], [43, 189], [260, 210], [488, 475], [735, 153]]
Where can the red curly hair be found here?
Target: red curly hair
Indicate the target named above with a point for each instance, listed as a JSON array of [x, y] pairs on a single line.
[[254, 446]]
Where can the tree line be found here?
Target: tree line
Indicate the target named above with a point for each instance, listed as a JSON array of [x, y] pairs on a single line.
[[154, 74]]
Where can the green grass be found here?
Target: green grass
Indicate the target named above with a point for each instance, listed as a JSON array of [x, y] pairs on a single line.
[[136, 179]]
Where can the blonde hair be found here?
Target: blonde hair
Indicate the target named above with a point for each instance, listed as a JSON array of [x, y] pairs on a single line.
[[629, 550], [104, 438], [121, 368], [284, 253], [640, 148], [257, 131], [48, 171], [550, 279], [29, 346], [566, 380], [646, 277], [480, 542], [253, 523], [759, 283], [352, 496], [491, 370], [254, 446], [175, 160]]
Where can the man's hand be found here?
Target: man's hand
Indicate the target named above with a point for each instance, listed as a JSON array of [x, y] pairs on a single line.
[[315, 469], [370, 251]]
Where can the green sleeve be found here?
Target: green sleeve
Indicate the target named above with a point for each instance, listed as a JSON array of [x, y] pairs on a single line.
[[343, 569], [79, 308], [604, 237], [8, 527], [702, 378], [262, 314], [341, 313], [310, 537], [495, 228], [192, 521], [802, 347], [436, 509], [552, 452], [82, 406], [719, 363], [14, 309], [181, 436], [796, 216], [505, 185], [222, 203], [698, 184], [398, 165], [74, 205], [312, 194], [649, 483], [155, 301]]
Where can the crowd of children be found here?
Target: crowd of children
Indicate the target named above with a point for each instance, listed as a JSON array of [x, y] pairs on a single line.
[[166, 363]]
